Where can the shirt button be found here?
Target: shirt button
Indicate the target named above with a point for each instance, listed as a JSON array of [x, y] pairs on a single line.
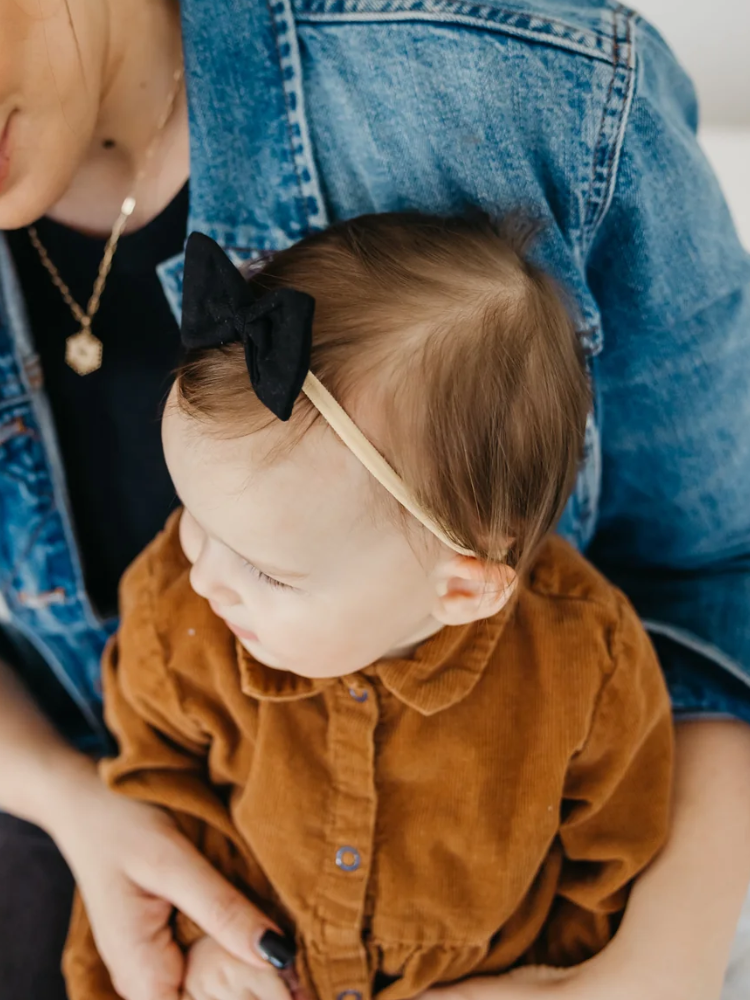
[[349, 995], [348, 859], [359, 695]]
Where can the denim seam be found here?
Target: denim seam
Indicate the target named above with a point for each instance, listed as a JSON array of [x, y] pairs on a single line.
[[45, 651], [8, 404], [627, 104], [291, 85], [475, 16], [691, 715], [697, 645], [600, 136], [601, 186], [17, 322], [6, 580]]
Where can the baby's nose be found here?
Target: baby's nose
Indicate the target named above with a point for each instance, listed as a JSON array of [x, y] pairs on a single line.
[[205, 584]]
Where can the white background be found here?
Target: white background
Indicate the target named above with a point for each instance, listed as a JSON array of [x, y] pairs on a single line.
[[712, 40]]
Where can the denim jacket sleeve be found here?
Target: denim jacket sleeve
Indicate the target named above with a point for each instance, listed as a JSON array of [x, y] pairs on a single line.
[[672, 284]]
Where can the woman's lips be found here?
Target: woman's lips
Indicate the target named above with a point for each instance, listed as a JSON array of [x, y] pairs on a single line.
[[5, 150]]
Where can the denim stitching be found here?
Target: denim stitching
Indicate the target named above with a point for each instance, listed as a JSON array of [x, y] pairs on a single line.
[[708, 650], [17, 352], [618, 134], [311, 201], [601, 188], [600, 136], [534, 27]]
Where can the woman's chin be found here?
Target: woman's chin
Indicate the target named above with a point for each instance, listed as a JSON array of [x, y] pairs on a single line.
[[28, 194], [22, 202]]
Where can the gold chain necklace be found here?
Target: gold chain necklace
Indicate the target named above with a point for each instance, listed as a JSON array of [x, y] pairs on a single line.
[[83, 350]]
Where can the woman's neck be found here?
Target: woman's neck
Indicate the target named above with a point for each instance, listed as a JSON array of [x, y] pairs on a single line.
[[143, 51]]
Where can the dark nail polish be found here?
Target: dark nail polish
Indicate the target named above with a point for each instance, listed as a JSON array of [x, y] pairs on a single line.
[[277, 949]]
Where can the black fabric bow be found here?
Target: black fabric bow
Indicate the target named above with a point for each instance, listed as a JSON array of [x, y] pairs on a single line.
[[219, 307]]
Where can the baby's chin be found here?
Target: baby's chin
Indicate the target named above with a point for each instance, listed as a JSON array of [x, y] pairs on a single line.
[[267, 659], [256, 650]]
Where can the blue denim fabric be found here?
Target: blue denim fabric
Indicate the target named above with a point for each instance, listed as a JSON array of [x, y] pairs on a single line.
[[308, 111]]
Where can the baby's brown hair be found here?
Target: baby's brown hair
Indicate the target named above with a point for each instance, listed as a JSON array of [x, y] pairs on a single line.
[[455, 353]]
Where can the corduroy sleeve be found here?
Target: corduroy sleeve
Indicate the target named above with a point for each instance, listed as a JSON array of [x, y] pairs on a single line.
[[162, 759], [616, 803]]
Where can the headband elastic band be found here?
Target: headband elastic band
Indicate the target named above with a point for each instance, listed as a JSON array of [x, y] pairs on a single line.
[[220, 307], [344, 427]]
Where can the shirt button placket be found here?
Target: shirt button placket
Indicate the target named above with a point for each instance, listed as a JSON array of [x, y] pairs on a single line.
[[353, 718]]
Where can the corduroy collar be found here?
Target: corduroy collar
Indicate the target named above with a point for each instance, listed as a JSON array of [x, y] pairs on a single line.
[[440, 673]]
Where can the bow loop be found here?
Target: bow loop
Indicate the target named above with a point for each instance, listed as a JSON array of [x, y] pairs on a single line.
[[219, 307]]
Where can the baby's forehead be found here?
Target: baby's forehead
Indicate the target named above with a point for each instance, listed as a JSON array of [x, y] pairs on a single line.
[[311, 494]]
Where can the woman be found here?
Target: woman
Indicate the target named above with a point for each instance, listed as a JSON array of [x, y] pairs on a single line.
[[296, 116]]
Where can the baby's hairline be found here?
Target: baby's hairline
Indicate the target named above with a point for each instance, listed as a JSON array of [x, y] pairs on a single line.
[[412, 312]]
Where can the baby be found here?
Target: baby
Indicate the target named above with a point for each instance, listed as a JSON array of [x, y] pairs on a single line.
[[418, 730]]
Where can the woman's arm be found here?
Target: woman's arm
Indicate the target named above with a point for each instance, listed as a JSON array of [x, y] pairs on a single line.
[[130, 861], [683, 912], [677, 932], [35, 762]]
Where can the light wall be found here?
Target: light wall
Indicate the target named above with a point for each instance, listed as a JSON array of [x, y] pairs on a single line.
[[712, 40]]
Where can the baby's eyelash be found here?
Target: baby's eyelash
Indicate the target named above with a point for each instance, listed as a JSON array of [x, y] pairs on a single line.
[[265, 578]]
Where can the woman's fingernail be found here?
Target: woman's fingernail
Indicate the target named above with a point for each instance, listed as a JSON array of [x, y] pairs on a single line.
[[277, 949]]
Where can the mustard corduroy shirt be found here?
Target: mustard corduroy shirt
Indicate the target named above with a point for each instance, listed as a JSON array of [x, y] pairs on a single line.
[[482, 804]]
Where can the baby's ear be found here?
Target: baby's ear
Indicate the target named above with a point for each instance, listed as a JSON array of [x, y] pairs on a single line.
[[469, 589]]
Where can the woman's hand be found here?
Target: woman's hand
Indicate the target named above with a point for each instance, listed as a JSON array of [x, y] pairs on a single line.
[[133, 867], [213, 974], [602, 978]]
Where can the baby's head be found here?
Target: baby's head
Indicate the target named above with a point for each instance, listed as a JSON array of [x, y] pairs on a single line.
[[458, 360]]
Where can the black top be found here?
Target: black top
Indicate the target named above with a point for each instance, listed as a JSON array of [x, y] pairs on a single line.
[[108, 422]]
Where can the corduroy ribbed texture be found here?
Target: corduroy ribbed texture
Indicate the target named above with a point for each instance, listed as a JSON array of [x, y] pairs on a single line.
[[498, 791]]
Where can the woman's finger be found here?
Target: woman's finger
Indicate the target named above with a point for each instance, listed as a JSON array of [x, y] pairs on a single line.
[[193, 885]]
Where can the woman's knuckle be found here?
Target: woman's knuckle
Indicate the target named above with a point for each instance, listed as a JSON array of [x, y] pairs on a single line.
[[124, 985], [160, 857], [225, 912], [136, 984]]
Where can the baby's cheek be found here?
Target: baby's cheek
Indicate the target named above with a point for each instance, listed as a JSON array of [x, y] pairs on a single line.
[[190, 537], [306, 644], [328, 646]]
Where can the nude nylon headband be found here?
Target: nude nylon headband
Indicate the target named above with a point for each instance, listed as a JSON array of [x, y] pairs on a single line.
[[344, 427], [220, 307]]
